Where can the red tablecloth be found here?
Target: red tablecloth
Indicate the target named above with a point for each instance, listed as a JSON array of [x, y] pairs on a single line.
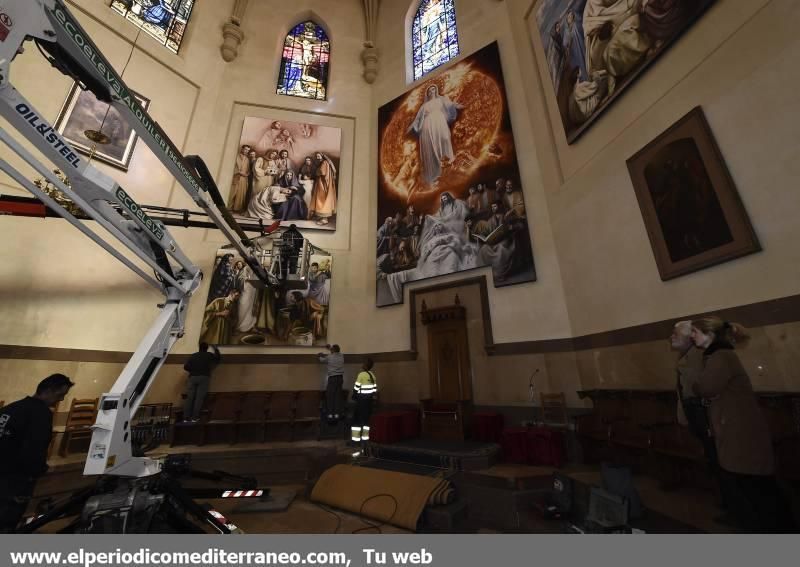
[[514, 443], [385, 428], [411, 423], [545, 446], [533, 446], [393, 426], [487, 427]]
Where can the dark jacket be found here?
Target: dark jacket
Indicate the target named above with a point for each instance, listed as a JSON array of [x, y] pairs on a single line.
[[26, 428], [202, 363], [740, 430]]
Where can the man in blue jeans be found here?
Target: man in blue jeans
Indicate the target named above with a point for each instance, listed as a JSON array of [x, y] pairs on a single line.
[[199, 367]]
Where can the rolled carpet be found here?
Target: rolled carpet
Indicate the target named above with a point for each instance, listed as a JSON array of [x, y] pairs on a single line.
[[387, 496]]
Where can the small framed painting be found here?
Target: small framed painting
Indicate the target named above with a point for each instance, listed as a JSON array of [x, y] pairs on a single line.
[[691, 208], [82, 112]]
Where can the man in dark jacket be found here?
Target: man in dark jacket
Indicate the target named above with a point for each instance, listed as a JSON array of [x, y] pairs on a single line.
[[199, 367], [26, 428]]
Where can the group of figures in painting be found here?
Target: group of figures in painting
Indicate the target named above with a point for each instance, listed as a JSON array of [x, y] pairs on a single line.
[[487, 228], [240, 310], [594, 48], [273, 183]]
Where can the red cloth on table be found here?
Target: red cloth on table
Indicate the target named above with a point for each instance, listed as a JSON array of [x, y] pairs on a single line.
[[514, 442], [487, 426], [393, 426], [410, 427], [545, 446], [386, 428]]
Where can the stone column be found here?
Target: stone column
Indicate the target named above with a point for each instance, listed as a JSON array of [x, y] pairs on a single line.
[[232, 33]]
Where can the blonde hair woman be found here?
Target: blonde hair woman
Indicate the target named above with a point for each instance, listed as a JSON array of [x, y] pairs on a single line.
[[741, 434]]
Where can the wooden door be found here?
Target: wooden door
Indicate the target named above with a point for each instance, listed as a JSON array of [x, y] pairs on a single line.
[[449, 368]]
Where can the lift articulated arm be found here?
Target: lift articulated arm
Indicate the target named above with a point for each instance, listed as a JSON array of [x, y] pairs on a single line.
[[72, 52], [50, 24]]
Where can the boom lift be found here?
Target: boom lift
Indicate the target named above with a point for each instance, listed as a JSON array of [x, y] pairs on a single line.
[[135, 493]]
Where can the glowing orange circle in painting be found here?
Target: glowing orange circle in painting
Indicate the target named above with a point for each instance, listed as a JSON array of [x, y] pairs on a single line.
[[474, 134]]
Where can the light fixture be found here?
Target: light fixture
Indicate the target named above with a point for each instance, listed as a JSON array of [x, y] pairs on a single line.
[[97, 136]]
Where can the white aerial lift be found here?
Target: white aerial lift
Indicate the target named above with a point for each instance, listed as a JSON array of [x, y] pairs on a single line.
[[135, 493]]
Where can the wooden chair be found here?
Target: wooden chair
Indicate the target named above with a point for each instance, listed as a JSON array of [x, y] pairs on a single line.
[[631, 437], [554, 410], [677, 454], [81, 417], [56, 430], [222, 417], [594, 430], [253, 414], [445, 420], [187, 432], [308, 409], [150, 426], [281, 410]]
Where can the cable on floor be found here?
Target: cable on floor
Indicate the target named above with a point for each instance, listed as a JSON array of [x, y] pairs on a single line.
[[370, 525]]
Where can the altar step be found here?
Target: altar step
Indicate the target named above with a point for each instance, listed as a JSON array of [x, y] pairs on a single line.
[[450, 455]]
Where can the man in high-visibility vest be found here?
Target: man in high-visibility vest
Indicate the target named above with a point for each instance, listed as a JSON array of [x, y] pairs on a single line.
[[365, 390]]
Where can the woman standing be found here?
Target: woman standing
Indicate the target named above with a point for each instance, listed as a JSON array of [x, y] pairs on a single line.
[[741, 434]]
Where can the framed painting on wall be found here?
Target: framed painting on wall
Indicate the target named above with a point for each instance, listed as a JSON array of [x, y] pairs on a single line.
[[692, 211], [240, 311], [287, 171], [82, 111], [595, 49], [450, 196]]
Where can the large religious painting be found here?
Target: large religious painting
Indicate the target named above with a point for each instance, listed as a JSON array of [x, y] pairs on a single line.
[[595, 49], [692, 211], [241, 311], [449, 194], [83, 113], [287, 172]]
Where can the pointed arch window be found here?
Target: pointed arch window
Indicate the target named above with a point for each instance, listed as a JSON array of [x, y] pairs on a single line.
[[434, 39], [163, 20], [305, 62]]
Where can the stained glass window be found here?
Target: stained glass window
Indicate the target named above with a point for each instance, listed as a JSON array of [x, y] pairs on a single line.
[[164, 20], [434, 38], [304, 62]]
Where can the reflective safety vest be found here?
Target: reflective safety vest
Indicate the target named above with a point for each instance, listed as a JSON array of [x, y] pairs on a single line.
[[365, 384]]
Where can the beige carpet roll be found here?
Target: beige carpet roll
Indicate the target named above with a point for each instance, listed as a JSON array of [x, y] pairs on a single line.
[[387, 496]]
